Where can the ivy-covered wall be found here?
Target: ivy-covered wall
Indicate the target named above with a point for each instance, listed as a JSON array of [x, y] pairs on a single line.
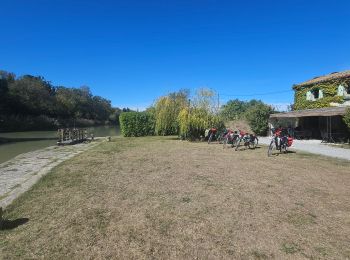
[[329, 89]]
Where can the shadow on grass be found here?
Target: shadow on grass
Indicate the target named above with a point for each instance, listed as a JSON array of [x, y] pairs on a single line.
[[172, 138], [282, 154], [6, 224], [243, 148]]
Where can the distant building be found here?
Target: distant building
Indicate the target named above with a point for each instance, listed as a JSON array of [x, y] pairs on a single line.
[[319, 105], [324, 91]]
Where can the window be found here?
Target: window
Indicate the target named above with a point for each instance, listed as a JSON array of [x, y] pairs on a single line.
[[314, 94], [343, 90]]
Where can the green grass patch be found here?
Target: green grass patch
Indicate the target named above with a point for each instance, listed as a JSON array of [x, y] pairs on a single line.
[[290, 248]]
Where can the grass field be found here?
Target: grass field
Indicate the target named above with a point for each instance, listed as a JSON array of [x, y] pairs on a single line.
[[158, 197]]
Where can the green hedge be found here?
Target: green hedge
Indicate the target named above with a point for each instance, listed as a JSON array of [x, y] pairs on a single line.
[[136, 124]]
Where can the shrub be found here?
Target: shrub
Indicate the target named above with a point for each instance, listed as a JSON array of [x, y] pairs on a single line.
[[193, 122], [258, 117], [167, 110], [346, 118], [136, 124]]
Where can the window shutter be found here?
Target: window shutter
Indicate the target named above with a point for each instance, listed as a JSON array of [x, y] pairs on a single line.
[[320, 94], [341, 91], [308, 95]]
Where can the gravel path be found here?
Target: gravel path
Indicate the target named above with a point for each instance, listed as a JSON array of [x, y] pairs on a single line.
[[23, 171], [314, 146]]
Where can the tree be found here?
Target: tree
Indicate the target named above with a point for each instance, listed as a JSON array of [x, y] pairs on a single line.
[[5, 79], [114, 115], [206, 99], [65, 102], [200, 115], [194, 121], [166, 112], [32, 95], [102, 108], [257, 117], [235, 109], [346, 118]]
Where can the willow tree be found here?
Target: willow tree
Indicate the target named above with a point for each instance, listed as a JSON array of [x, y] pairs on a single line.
[[200, 115], [167, 109], [206, 99]]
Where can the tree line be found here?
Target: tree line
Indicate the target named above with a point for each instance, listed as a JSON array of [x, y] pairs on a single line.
[[29, 97], [188, 116]]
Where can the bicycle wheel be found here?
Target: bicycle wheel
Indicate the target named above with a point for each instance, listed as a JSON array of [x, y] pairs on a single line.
[[256, 142], [224, 142], [252, 143], [271, 146], [210, 138], [237, 143], [219, 139], [284, 148]]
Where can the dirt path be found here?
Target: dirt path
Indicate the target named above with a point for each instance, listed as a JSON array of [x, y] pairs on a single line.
[[20, 173], [315, 147]]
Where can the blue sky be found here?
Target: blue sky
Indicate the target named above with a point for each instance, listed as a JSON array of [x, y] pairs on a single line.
[[131, 52]]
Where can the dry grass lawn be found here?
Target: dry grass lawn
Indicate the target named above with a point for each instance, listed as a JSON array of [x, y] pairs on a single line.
[[157, 197]]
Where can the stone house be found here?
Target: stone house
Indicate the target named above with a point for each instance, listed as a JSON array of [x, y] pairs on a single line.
[[319, 105], [326, 91]]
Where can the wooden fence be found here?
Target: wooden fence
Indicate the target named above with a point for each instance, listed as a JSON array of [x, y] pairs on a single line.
[[71, 136]]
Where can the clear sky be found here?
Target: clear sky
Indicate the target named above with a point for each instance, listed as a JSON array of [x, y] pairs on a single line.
[[134, 51]]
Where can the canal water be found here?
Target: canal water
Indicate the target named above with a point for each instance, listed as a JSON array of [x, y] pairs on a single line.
[[23, 142]]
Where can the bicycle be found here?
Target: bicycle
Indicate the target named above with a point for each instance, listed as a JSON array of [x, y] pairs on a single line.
[[249, 140], [280, 141]]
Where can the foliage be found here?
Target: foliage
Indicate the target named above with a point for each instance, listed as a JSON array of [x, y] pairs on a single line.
[[27, 123], [136, 124], [32, 96], [235, 109], [114, 116], [205, 99], [194, 121], [346, 118], [5, 79], [329, 89], [257, 117], [166, 112]]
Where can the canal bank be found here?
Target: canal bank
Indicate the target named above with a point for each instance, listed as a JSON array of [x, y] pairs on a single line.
[[16, 143], [22, 172]]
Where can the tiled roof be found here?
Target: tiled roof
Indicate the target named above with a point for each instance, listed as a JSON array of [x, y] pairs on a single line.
[[331, 76]]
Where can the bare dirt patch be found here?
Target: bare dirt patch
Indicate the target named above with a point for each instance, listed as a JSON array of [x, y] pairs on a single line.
[[240, 124], [161, 198]]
